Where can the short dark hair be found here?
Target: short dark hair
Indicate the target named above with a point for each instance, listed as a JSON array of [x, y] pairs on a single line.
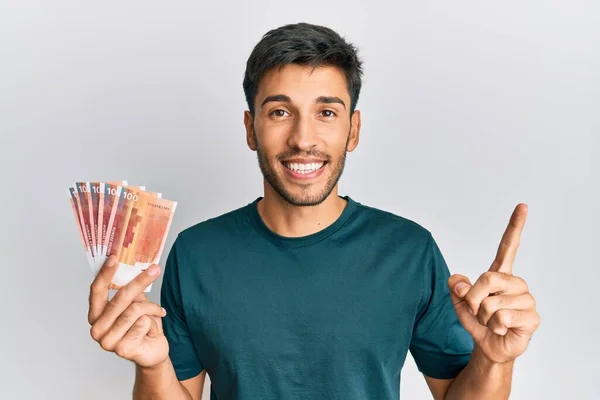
[[303, 44]]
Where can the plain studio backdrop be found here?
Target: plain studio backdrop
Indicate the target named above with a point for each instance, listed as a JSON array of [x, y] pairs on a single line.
[[468, 109]]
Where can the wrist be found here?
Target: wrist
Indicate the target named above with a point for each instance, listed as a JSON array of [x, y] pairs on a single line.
[[156, 380], [153, 369], [479, 358]]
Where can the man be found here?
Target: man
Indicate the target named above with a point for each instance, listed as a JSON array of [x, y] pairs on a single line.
[[305, 294]]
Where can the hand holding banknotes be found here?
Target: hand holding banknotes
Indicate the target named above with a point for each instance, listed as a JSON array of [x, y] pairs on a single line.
[[129, 324]]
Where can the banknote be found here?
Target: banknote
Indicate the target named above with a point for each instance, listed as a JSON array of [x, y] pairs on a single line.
[[121, 211], [77, 214], [108, 193], [148, 222], [94, 201], [83, 201], [122, 198]]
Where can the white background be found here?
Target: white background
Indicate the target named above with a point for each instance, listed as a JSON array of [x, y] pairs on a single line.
[[468, 108]]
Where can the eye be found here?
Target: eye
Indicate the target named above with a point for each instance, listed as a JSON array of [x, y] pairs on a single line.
[[278, 112], [328, 113]]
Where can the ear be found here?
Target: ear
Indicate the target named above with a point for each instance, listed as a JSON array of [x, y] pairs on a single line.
[[250, 136], [354, 131]]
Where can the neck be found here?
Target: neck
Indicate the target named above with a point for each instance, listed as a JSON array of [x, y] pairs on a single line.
[[288, 220]]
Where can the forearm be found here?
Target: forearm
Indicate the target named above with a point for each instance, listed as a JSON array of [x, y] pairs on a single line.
[[158, 383], [482, 379]]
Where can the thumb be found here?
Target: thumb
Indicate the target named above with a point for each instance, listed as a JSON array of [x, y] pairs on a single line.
[[459, 286]]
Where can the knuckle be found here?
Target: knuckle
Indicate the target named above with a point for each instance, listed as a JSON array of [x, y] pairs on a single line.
[[488, 277], [121, 350], [142, 323], [531, 300], [95, 287], [95, 284], [520, 282], [106, 343], [95, 333], [504, 316], [487, 304], [524, 284]]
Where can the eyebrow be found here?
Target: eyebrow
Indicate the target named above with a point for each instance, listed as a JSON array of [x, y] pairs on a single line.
[[286, 99]]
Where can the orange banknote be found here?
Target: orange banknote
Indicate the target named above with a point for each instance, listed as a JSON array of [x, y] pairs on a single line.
[[144, 223], [107, 202], [85, 206]]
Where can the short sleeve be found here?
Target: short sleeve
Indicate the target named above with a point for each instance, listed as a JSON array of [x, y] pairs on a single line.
[[440, 346], [181, 347]]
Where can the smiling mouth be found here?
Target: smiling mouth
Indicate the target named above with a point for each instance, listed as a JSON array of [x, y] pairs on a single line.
[[306, 168]]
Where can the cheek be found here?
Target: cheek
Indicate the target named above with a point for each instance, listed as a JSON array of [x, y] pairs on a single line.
[[335, 136], [336, 148], [272, 138]]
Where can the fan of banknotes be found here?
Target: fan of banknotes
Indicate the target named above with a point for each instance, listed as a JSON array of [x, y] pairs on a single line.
[[127, 221]]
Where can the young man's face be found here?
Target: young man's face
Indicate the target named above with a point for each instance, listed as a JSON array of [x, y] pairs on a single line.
[[302, 130]]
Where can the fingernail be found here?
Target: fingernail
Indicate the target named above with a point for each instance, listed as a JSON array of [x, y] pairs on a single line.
[[153, 270], [470, 311], [164, 311], [460, 287]]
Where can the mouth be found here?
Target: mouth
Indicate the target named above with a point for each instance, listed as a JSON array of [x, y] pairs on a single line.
[[304, 168]]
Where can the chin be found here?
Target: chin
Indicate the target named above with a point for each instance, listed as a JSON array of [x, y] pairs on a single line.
[[303, 196], [305, 200]]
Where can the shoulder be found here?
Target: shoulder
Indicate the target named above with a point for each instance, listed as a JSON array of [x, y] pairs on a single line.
[[211, 231], [394, 225]]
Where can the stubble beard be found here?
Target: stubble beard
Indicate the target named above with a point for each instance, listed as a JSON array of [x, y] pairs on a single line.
[[305, 199]]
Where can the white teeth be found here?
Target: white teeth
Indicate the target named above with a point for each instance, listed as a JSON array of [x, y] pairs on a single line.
[[304, 168]]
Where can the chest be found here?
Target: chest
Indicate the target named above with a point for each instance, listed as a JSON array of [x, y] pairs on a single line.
[[330, 307]]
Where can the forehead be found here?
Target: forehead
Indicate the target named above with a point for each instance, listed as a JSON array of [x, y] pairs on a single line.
[[303, 83]]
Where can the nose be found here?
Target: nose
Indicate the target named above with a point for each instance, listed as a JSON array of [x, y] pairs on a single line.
[[303, 135]]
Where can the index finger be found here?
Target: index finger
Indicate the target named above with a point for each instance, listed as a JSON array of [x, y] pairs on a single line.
[[99, 289], [127, 294], [507, 250]]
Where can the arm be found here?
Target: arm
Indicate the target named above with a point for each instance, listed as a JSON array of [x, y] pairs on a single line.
[[500, 314], [160, 382], [480, 379]]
